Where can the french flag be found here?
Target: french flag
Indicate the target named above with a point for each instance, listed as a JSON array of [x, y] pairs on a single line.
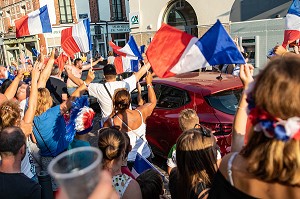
[[141, 164], [77, 38], [130, 55], [36, 22], [173, 52], [292, 22]]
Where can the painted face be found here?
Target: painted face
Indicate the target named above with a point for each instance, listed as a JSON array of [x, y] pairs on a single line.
[[3, 72], [22, 92]]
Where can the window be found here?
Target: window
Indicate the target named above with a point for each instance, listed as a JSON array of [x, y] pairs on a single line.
[[226, 101], [117, 11], [170, 97], [65, 11]]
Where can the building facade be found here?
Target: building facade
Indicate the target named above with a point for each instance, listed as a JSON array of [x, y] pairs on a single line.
[[109, 22], [193, 16], [62, 14], [260, 26]]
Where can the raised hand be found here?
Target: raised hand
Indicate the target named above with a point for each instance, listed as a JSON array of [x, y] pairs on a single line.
[[36, 71], [21, 73], [22, 58], [246, 74], [90, 76], [279, 50], [148, 78]]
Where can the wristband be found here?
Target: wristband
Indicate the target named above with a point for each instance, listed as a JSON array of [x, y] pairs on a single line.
[[149, 85], [87, 85]]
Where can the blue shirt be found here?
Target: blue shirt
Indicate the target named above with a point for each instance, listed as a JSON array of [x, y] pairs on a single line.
[[52, 127]]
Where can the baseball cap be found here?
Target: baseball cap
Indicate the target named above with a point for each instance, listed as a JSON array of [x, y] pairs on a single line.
[[109, 69]]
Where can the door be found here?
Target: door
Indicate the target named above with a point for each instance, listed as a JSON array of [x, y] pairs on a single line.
[[120, 42]]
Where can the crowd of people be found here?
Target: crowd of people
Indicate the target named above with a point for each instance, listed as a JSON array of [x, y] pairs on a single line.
[[44, 116]]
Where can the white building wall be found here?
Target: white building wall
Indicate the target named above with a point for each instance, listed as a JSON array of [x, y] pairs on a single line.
[[104, 10], [151, 12], [82, 7]]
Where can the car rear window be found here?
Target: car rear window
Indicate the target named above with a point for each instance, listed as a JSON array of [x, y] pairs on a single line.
[[225, 101]]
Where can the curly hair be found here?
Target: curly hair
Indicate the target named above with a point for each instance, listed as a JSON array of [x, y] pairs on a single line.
[[44, 101], [10, 114]]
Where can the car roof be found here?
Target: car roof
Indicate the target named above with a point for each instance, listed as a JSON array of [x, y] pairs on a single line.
[[206, 81]]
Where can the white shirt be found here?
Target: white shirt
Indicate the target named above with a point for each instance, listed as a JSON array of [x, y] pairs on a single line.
[[27, 164], [98, 91], [110, 60]]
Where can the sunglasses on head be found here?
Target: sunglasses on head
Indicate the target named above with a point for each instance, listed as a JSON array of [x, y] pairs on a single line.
[[204, 131]]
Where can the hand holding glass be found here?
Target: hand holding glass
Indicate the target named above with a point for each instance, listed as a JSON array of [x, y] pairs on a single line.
[[77, 171]]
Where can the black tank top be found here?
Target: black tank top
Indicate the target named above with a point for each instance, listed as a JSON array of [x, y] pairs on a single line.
[[221, 188]]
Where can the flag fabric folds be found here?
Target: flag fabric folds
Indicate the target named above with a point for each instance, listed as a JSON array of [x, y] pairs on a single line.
[[77, 38], [129, 56], [292, 22], [36, 22], [173, 52], [141, 164]]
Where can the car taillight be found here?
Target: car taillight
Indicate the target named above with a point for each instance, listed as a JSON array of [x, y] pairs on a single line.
[[223, 135], [220, 129]]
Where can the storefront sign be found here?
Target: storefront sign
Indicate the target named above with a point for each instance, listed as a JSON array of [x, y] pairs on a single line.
[[118, 28], [134, 20]]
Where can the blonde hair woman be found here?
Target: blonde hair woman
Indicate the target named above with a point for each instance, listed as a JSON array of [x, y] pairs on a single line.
[[49, 125]]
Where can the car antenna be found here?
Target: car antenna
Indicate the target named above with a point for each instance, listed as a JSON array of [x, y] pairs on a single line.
[[220, 76]]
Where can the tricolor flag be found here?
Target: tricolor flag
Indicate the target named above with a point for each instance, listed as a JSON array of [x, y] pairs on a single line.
[[77, 38], [172, 51], [129, 56], [141, 164], [292, 22], [36, 22]]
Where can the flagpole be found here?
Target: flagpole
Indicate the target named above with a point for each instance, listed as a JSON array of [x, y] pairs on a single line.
[[91, 59]]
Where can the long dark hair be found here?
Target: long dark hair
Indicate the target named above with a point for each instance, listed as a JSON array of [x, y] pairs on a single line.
[[196, 156]]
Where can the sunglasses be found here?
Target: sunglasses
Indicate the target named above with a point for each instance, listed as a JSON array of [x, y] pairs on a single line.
[[204, 131]]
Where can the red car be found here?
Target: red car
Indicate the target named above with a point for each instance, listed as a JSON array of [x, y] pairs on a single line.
[[215, 100]]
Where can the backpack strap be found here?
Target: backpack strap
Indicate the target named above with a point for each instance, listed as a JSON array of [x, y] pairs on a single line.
[[107, 91]]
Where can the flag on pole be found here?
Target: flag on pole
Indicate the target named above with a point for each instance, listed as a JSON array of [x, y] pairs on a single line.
[[36, 22], [130, 55], [292, 22], [61, 61], [173, 51], [77, 38], [141, 164]]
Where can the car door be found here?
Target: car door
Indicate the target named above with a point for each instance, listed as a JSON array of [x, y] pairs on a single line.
[[162, 126]]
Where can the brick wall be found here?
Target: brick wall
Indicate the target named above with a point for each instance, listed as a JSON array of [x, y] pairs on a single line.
[[123, 10], [57, 13], [94, 11], [14, 9]]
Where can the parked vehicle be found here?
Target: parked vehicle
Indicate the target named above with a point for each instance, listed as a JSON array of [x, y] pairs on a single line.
[[215, 99]]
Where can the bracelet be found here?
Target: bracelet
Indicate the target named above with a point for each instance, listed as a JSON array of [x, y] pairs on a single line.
[[87, 85], [149, 85]]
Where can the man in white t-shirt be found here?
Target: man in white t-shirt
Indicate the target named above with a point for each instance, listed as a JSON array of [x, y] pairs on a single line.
[[104, 97]]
